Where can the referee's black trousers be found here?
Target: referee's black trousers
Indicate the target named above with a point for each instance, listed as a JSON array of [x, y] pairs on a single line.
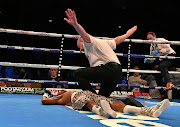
[[109, 75]]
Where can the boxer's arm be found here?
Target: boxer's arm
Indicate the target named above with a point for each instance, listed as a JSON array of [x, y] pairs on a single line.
[[59, 96]]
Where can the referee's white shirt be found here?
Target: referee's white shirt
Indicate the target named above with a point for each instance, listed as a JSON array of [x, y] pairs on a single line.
[[100, 51]]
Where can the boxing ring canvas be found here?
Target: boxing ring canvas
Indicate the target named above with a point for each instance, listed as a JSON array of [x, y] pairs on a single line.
[[26, 110]]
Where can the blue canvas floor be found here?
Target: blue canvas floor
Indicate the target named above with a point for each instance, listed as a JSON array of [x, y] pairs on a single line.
[[22, 110]]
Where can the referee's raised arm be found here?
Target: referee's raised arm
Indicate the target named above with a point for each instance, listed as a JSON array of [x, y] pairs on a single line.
[[72, 20]]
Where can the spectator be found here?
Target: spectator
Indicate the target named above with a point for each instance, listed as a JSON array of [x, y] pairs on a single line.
[[154, 93], [24, 74], [1, 75], [124, 81], [1, 71], [2, 84], [10, 72], [175, 77], [135, 79], [52, 76]]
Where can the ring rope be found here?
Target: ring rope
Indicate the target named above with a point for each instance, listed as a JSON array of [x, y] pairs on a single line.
[[29, 48], [73, 67], [28, 81], [78, 52], [77, 36], [76, 83]]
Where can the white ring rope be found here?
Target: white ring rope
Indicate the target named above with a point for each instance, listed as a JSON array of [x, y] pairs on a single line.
[[153, 41], [76, 36], [72, 67], [28, 81]]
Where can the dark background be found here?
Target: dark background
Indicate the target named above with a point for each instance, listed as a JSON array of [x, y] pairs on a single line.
[[99, 18]]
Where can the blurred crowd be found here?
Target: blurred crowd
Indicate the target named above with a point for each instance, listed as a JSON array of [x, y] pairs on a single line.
[[34, 74]]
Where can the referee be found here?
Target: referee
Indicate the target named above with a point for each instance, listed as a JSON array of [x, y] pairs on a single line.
[[104, 64]]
